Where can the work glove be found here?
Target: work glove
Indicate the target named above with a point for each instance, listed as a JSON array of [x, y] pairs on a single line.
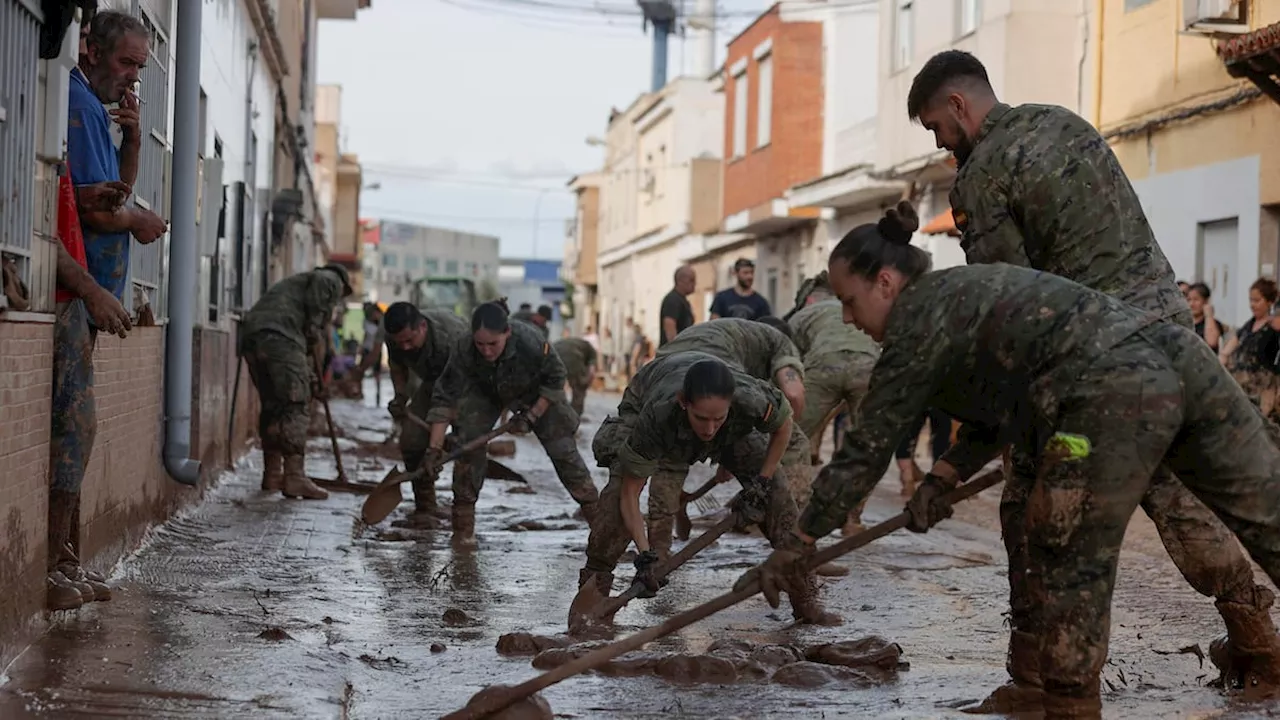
[[752, 504], [396, 407], [929, 506], [522, 423], [646, 562], [783, 571]]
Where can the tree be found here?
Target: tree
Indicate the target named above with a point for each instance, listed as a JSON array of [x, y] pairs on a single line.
[[566, 305]]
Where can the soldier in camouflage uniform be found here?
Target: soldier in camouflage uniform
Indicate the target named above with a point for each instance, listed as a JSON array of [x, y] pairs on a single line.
[[837, 366], [418, 346], [680, 409], [579, 359], [764, 353], [1032, 359], [282, 340], [504, 365], [537, 319], [1038, 186]]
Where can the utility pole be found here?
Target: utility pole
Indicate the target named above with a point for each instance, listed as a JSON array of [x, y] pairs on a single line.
[[661, 14]]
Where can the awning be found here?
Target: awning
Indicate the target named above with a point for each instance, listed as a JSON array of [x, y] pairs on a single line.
[[943, 224], [1255, 56]]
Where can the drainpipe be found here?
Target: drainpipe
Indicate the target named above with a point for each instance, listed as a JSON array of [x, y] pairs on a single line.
[[183, 261]]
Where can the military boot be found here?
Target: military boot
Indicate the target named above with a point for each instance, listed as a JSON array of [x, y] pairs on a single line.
[[296, 482], [69, 566], [272, 471], [61, 594], [426, 509], [464, 525], [1024, 693], [62, 516], [1251, 650], [805, 607], [1060, 707]]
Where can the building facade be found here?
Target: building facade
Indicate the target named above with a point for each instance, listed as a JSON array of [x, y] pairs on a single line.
[[408, 252], [536, 282], [1188, 100], [339, 181], [581, 253]]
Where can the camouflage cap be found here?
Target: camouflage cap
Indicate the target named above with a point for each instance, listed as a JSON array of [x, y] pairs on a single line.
[[341, 272]]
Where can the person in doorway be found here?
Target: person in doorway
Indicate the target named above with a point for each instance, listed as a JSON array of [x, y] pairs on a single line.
[[1251, 356], [504, 365], [419, 346], [1038, 186], [682, 408], [741, 300], [579, 360], [676, 314], [282, 341], [1098, 393], [1202, 314]]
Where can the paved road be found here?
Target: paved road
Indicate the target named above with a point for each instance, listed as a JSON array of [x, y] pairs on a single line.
[[253, 606]]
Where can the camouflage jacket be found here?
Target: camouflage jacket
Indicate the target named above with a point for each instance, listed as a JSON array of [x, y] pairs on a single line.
[[820, 331], [527, 369], [444, 332], [746, 344], [298, 307], [994, 346], [526, 317], [577, 355], [1043, 189], [660, 428]]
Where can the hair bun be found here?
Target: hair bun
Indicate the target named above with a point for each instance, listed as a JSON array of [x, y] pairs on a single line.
[[899, 223], [502, 303]]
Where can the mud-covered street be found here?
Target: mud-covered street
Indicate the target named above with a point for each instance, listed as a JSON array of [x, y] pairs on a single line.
[[250, 605]]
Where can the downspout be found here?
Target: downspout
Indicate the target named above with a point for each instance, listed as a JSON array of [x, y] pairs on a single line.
[[183, 261]]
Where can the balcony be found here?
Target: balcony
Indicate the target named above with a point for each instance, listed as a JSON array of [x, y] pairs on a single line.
[[340, 9]]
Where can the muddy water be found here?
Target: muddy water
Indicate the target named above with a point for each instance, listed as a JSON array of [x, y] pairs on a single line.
[[252, 606]]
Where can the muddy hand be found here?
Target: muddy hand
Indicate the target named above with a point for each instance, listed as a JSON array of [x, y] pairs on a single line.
[[928, 506], [783, 571], [752, 504], [431, 462], [522, 423], [102, 197], [646, 562]]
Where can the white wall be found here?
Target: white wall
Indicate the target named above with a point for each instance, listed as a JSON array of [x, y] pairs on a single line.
[[851, 37], [1177, 203], [225, 65]]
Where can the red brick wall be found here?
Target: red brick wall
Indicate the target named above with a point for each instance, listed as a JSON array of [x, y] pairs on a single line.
[[26, 385], [794, 153]]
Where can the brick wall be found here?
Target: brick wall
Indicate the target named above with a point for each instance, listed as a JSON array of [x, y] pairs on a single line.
[[213, 387], [26, 385], [794, 152]]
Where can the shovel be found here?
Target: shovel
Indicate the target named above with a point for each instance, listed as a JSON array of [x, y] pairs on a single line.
[[493, 470], [611, 606], [596, 658], [684, 525], [386, 496], [333, 434]]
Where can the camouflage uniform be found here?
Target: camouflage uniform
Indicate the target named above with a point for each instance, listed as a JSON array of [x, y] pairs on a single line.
[[472, 393], [761, 352], [651, 431], [276, 337], [414, 374], [527, 317], [1042, 189], [578, 356], [1019, 355]]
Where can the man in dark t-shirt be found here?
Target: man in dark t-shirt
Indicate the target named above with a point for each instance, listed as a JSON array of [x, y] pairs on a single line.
[[676, 313], [741, 301]]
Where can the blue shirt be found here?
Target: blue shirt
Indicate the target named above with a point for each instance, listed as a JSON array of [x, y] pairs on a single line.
[[94, 159]]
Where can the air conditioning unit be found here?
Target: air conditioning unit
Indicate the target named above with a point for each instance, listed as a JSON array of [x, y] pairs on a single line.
[[1215, 17]]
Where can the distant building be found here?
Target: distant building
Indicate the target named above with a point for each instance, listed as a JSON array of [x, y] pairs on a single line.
[[408, 252], [536, 282]]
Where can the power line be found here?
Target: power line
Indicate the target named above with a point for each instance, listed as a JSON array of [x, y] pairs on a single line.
[[390, 213]]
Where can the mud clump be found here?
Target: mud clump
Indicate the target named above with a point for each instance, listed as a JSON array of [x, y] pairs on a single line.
[[539, 525], [274, 634], [455, 617], [871, 653], [521, 490], [502, 448], [807, 674], [534, 707], [775, 655], [696, 669], [632, 664], [555, 657], [437, 648], [522, 643]]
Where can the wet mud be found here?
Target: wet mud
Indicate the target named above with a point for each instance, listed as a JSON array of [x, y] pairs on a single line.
[[364, 610]]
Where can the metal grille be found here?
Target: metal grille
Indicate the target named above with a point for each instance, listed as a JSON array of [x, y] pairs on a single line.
[[19, 57], [147, 262]]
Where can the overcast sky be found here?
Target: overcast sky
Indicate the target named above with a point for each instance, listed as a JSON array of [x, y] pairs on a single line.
[[472, 114]]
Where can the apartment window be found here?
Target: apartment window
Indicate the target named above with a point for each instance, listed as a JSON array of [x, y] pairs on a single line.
[[771, 285], [970, 16], [740, 114], [433, 266], [389, 260], [472, 270], [903, 27], [764, 100], [1135, 4], [450, 267], [412, 263]]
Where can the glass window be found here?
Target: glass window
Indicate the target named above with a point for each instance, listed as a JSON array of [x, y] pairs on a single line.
[[902, 35], [389, 260], [450, 267], [740, 115], [764, 101], [970, 16], [433, 266]]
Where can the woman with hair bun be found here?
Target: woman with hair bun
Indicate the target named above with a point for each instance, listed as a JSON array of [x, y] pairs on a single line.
[[1097, 392]]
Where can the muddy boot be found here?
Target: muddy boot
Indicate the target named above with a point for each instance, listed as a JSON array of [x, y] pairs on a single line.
[[1251, 649], [296, 482], [62, 595], [272, 472], [464, 526], [1024, 693], [806, 609], [69, 566], [593, 588], [1059, 707], [426, 510]]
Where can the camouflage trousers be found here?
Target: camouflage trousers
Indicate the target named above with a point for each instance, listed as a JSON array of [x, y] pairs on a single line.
[[1159, 399], [75, 425], [831, 382], [477, 413], [281, 371], [578, 388], [609, 536], [414, 441]]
